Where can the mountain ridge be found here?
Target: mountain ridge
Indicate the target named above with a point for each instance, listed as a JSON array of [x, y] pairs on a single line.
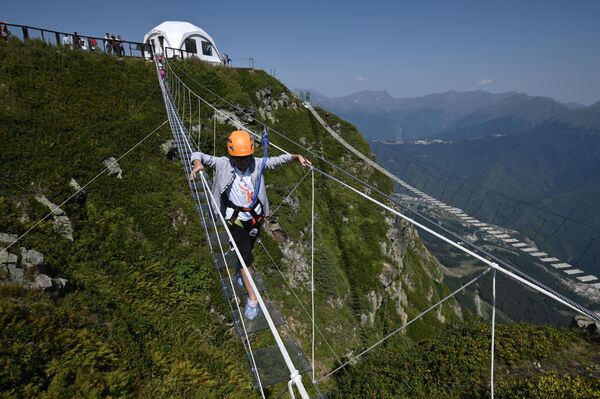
[[378, 115]]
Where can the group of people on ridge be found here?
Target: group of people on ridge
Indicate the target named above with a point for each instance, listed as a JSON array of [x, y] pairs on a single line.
[[77, 42], [240, 191], [114, 45]]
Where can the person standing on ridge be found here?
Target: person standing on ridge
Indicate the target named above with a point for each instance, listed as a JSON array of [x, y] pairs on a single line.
[[107, 43], [76, 41], [241, 202]]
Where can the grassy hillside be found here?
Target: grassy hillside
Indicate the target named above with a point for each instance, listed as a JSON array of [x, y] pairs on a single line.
[[143, 315]]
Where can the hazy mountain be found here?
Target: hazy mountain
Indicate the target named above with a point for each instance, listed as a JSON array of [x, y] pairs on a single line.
[[588, 117], [518, 112], [379, 115], [573, 105]]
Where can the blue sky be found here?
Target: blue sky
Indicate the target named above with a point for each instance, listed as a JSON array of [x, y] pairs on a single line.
[[547, 48]]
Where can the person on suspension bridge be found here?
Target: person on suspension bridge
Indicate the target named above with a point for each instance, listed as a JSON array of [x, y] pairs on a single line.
[[238, 185]]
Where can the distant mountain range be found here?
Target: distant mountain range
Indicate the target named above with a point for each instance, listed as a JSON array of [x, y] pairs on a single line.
[[451, 115]]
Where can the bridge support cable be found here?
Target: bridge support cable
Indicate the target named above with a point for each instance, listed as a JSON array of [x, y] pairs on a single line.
[[506, 268], [295, 377], [214, 133], [311, 317], [199, 125], [178, 129]]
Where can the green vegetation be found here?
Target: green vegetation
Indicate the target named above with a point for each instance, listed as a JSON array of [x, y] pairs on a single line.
[[143, 315], [540, 362]]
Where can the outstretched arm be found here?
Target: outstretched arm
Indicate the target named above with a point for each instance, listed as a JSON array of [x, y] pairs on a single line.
[[273, 162], [303, 161]]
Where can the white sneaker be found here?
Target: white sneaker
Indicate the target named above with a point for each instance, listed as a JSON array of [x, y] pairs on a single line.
[[250, 312]]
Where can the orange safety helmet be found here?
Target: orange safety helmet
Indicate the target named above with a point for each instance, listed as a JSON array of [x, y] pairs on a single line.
[[240, 144]]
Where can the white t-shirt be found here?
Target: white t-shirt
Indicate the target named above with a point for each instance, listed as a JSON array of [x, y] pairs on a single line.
[[240, 193]]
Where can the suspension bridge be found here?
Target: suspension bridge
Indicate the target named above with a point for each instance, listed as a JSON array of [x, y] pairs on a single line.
[[286, 362]]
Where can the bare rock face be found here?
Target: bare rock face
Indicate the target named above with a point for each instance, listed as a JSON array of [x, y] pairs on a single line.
[[59, 284], [178, 219], [8, 267], [14, 273], [269, 104], [273, 228], [42, 282], [224, 116], [294, 259], [8, 238], [246, 115], [62, 224], [397, 280], [32, 259], [113, 167], [375, 301], [388, 275], [477, 300], [80, 194], [7, 258], [294, 202]]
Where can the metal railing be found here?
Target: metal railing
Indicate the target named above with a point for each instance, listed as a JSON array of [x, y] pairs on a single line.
[[171, 52], [123, 48], [236, 62]]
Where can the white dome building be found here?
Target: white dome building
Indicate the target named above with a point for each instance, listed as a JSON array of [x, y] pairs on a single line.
[[182, 40]]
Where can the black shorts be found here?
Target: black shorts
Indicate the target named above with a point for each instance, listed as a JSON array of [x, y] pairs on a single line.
[[245, 243]]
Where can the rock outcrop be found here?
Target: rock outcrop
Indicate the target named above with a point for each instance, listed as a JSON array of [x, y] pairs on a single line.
[[27, 270], [269, 104], [113, 167], [170, 150], [80, 194], [8, 238], [62, 224]]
